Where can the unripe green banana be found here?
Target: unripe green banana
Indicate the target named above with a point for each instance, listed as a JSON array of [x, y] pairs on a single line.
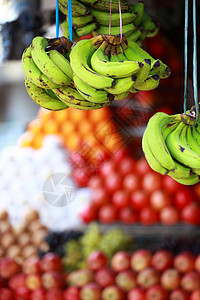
[[32, 72], [45, 64], [193, 179], [126, 29], [87, 29], [61, 62], [149, 84], [181, 171], [80, 58], [120, 96], [78, 9], [191, 140], [134, 52], [135, 35], [122, 85], [82, 21], [103, 18], [104, 5], [143, 73], [42, 98], [139, 9]]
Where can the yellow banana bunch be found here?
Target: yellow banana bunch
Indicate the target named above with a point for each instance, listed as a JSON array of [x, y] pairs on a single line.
[[171, 145]]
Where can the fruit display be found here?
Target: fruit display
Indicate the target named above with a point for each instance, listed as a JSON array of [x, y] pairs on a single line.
[[172, 147], [127, 275], [22, 241], [93, 17]]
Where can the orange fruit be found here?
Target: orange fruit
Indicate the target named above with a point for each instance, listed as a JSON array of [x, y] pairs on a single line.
[[72, 142], [25, 139], [35, 126], [84, 127], [99, 114], [61, 116], [37, 140], [67, 128], [44, 114], [50, 127], [76, 115]]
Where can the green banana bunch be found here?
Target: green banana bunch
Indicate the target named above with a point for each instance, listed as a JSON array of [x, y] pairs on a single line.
[[78, 9], [170, 146], [103, 18]]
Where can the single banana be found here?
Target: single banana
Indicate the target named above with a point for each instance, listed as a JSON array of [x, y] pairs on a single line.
[[61, 62], [122, 85], [118, 69], [178, 147], [193, 179], [120, 96], [42, 98], [104, 5], [135, 35], [89, 93], [191, 140], [143, 73], [82, 20], [80, 58], [139, 9], [78, 9], [45, 64], [103, 18], [126, 29], [181, 171], [149, 84], [87, 29], [32, 72], [153, 32], [134, 52]]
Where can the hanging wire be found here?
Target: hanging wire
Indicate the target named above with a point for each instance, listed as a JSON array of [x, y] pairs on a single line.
[[186, 55], [110, 17], [70, 20], [57, 19], [195, 60], [120, 20]]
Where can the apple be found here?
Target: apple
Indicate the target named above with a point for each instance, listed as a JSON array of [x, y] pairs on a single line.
[[184, 262], [91, 291], [50, 262], [38, 294], [72, 293], [197, 263], [170, 279], [54, 294], [17, 281], [195, 295], [136, 294], [190, 281], [52, 279], [96, 260], [162, 260], [31, 265], [156, 292], [140, 260], [105, 276], [148, 277], [112, 292], [8, 267], [126, 280], [22, 292], [6, 294], [120, 261], [178, 294], [80, 277], [33, 281]]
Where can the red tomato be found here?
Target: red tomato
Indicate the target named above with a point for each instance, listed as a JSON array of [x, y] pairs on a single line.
[[126, 166], [128, 216], [99, 197], [142, 166], [139, 200], [107, 168], [95, 182], [152, 182], [148, 216], [120, 199], [183, 197], [88, 214], [191, 214], [81, 177], [120, 154], [169, 215], [113, 182], [170, 185], [107, 214], [159, 199], [131, 182]]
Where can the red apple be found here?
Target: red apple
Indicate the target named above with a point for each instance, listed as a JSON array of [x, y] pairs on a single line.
[[6, 294], [72, 293], [31, 265], [162, 260], [184, 262], [8, 267], [140, 260], [80, 277], [33, 281], [120, 261], [190, 281], [22, 293], [96, 260], [52, 279], [112, 292], [126, 280], [38, 294], [91, 291], [148, 277], [17, 281], [136, 294], [156, 292], [197, 264], [170, 279], [195, 295], [159, 199], [105, 277], [178, 294], [54, 294], [51, 262]]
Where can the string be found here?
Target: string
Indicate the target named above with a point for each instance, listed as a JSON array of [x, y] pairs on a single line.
[[57, 19], [110, 17], [70, 20], [195, 59], [186, 55], [120, 20]]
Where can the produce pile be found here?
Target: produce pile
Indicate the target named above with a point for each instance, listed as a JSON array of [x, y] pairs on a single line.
[[89, 76], [141, 275], [172, 146], [93, 16]]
